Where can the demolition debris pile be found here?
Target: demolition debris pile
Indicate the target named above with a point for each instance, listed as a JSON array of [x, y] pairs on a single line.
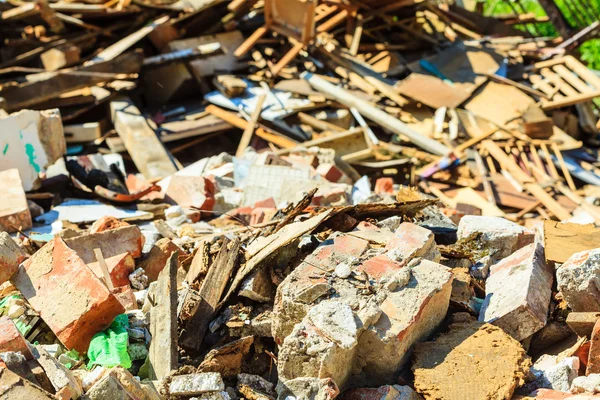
[[296, 199]]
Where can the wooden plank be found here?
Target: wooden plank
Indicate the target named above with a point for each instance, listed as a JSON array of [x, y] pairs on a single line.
[[144, 147], [249, 130], [583, 72], [122, 45], [525, 88], [241, 123], [572, 79], [162, 354], [200, 263], [82, 133], [275, 242], [528, 183], [104, 269], [565, 239], [562, 86], [211, 293], [57, 83]]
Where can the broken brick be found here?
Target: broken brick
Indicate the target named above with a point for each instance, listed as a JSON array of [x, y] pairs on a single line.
[[12, 340], [69, 297], [112, 243], [119, 269], [11, 255]]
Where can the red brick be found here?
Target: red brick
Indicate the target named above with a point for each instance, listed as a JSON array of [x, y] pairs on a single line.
[[106, 223], [156, 259], [593, 364], [192, 191], [350, 245], [261, 214], [366, 226], [119, 269], [379, 267], [126, 297], [330, 172], [266, 203], [384, 186], [68, 296], [112, 243], [12, 340]]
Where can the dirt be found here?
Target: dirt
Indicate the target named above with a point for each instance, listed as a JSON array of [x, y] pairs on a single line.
[[472, 361]]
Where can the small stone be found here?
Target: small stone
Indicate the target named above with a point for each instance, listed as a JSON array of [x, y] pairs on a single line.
[[138, 279], [586, 384], [196, 384], [343, 271]]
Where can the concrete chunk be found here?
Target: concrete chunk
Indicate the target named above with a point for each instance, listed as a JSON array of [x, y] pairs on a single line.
[[32, 141], [518, 293], [579, 281], [502, 237], [457, 364], [387, 392], [307, 388], [68, 296], [196, 384], [59, 376]]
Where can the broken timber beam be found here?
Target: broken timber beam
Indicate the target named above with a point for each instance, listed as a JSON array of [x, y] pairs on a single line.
[[373, 113], [211, 292], [28, 94], [148, 153]]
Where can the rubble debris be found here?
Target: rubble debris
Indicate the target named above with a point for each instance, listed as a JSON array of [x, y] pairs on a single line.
[[290, 199]]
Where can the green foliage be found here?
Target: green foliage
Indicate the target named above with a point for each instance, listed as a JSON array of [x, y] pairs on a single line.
[[590, 50]]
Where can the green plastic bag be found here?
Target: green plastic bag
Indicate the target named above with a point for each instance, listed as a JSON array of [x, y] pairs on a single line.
[[109, 348]]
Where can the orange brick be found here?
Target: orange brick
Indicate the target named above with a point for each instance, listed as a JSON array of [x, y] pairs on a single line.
[[384, 186], [68, 296], [119, 269], [156, 259], [106, 223], [12, 340], [126, 297]]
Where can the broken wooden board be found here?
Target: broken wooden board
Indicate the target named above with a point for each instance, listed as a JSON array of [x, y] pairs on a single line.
[[163, 322], [343, 143], [272, 244], [226, 62], [144, 147], [433, 91], [211, 292], [499, 103], [51, 85], [566, 81], [562, 240]]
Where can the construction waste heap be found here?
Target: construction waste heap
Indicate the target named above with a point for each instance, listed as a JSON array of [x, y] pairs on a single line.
[[296, 199]]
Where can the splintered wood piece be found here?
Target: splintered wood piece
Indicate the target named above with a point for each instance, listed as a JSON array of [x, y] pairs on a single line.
[[287, 58], [211, 293], [251, 41], [249, 130], [104, 268], [563, 167], [241, 123]]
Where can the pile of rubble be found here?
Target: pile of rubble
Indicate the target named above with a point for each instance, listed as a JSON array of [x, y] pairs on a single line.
[[296, 199]]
